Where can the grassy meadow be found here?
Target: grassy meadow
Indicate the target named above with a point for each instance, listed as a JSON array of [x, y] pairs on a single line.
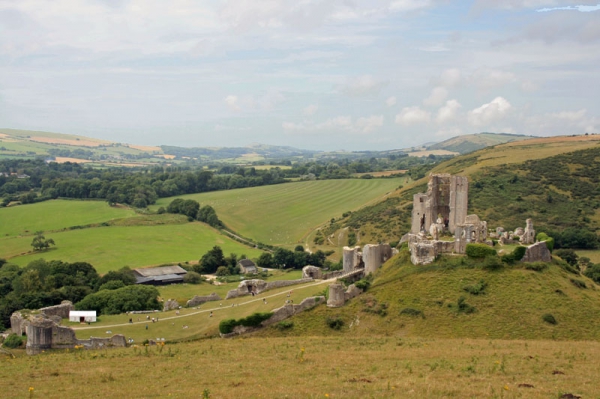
[[312, 367], [56, 215], [198, 321], [284, 214], [110, 248]]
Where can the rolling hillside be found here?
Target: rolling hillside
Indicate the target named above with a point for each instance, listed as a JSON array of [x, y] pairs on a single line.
[[554, 181], [473, 142]]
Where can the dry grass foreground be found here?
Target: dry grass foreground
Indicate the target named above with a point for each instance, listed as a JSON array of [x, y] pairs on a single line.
[[312, 367]]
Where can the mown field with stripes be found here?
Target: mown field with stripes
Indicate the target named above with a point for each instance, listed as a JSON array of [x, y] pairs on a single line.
[[283, 214]]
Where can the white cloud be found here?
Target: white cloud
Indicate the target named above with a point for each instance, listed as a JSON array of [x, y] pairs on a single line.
[[437, 97], [409, 5], [263, 102], [489, 113], [535, 4], [448, 112], [487, 78], [362, 86], [342, 123], [369, 124], [412, 116], [232, 102], [450, 77], [310, 110], [391, 101], [572, 116], [528, 86]]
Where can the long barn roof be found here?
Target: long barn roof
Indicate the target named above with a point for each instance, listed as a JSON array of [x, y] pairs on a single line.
[[160, 271]]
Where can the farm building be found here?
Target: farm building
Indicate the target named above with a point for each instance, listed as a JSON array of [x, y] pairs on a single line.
[[160, 275], [82, 316], [247, 266]]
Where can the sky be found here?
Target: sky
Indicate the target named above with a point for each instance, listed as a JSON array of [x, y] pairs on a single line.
[[314, 74]]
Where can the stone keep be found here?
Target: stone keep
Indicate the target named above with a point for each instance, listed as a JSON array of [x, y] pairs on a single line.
[[447, 197], [528, 236]]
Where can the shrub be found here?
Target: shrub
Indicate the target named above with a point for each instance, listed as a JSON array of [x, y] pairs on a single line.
[[335, 323], [464, 307], [568, 255], [549, 240], [536, 266], [193, 278], [284, 325], [479, 251], [112, 285], [226, 326], [363, 284], [13, 341], [578, 283], [412, 312], [519, 253], [492, 263], [548, 318], [255, 319], [476, 289]]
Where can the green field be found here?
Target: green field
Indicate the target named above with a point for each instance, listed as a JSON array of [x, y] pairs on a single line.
[[283, 214], [56, 215], [110, 248]]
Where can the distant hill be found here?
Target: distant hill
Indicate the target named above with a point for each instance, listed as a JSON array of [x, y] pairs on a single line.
[[473, 142]]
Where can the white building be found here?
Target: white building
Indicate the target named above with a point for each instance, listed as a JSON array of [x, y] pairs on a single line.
[[82, 316]]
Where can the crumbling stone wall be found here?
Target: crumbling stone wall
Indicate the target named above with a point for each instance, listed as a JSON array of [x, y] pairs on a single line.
[[537, 252], [339, 295], [374, 255], [170, 304], [199, 300], [44, 334], [61, 310], [19, 323], [313, 272], [247, 287], [279, 314], [351, 259]]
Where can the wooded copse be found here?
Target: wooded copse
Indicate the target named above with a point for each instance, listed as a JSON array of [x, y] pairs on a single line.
[[30, 181]]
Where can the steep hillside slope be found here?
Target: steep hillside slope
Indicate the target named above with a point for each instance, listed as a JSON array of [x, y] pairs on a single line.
[[406, 300], [552, 180]]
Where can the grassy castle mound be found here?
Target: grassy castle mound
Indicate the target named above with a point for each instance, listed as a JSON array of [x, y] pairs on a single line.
[[458, 297]]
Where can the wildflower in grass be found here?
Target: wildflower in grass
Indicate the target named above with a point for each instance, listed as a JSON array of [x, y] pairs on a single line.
[[301, 355], [506, 387], [31, 392]]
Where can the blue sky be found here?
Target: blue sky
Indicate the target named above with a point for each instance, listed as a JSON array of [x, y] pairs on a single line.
[[329, 75]]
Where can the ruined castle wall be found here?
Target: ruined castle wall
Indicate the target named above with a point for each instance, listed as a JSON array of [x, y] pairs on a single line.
[[351, 259], [199, 300], [336, 296], [374, 255], [538, 252], [289, 310], [39, 336], [61, 310], [459, 199], [258, 286]]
